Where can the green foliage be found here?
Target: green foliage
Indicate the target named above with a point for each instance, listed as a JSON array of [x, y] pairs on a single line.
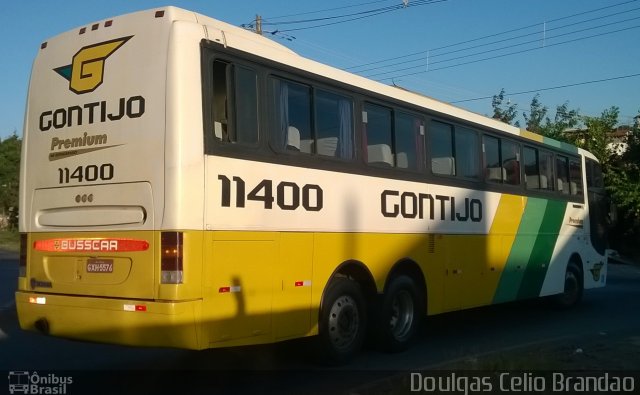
[[9, 179], [538, 121], [563, 120], [503, 112], [536, 115], [9, 241], [597, 137], [623, 177]]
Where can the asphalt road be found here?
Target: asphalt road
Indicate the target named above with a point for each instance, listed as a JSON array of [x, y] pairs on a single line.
[[289, 367]]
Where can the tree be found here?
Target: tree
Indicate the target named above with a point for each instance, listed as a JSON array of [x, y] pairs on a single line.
[[624, 177], [597, 137], [538, 121], [623, 184], [504, 112], [563, 120], [536, 115], [9, 178]]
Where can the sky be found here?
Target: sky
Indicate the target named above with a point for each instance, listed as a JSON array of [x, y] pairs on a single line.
[[583, 52]]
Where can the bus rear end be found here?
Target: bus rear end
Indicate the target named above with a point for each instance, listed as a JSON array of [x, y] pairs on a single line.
[[95, 263]]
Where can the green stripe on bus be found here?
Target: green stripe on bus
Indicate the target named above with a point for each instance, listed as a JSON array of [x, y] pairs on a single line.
[[559, 144], [521, 249], [544, 245]]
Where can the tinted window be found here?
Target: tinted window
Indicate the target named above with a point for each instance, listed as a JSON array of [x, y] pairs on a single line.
[[547, 176], [493, 168], [235, 103], [409, 139], [510, 155], [466, 153], [377, 134], [531, 169], [246, 99], [334, 125], [441, 145], [292, 103], [562, 174], [575, 176]]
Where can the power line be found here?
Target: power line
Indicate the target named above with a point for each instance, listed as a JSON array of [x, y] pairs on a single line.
[[491, 57], [328, 9], [356, 16], [394, 7], [551, 88], [494, 35]]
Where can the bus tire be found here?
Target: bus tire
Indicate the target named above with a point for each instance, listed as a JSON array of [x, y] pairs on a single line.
[[573, 288], [400, 315], [342, 321]]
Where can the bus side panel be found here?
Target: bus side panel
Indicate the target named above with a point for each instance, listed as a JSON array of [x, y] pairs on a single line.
[[292, 285], [238, 286]]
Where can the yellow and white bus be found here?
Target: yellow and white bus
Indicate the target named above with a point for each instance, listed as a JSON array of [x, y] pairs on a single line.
[[187, 183]]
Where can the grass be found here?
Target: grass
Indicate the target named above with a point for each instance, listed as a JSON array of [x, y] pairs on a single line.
[[9, 241]]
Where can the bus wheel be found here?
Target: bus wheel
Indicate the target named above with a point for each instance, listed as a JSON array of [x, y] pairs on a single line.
[[342, 321], [572, 288], [400, 315]]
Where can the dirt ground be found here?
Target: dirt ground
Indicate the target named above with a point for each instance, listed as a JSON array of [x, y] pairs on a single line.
[[580, 356], [589, 353]]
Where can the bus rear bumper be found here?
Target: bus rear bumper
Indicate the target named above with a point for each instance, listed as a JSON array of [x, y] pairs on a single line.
[[117, 321]]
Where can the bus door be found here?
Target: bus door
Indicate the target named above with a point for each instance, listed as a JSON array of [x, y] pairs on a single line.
[[599, 206]]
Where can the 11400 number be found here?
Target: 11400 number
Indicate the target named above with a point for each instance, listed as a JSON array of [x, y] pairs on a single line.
[[288, 195], [85, 173]]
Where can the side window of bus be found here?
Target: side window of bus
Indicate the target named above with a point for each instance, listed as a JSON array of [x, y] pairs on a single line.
[[454, 152], [510, 155], [562, 171], [377, 135], [493, 170], [532, 177], [546, 170], [325, 128], [501, 160], [575, 177], [441, 145], [292, 130], [392, 138], [539, 169], [334, 125], [235, 103], [409, 141], [467, 153]]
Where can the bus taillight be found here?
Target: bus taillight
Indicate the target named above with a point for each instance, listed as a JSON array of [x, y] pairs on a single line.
[[22, 264], [171, 258]]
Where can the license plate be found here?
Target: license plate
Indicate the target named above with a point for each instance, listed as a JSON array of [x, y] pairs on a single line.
[[99, 265]]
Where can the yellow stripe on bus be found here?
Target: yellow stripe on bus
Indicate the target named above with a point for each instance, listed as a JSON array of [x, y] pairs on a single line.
[[533, 136], [502, 236]]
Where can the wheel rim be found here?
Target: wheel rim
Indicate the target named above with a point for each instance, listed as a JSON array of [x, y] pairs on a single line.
[[402, 310], [344, 322]]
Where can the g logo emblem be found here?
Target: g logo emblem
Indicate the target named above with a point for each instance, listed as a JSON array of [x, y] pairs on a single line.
[[86, 72]]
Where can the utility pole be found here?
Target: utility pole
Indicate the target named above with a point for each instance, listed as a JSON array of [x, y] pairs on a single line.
[[259, 24]]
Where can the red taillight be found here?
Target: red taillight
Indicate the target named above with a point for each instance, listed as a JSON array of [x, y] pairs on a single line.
[[22, 264], [171, 258]]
